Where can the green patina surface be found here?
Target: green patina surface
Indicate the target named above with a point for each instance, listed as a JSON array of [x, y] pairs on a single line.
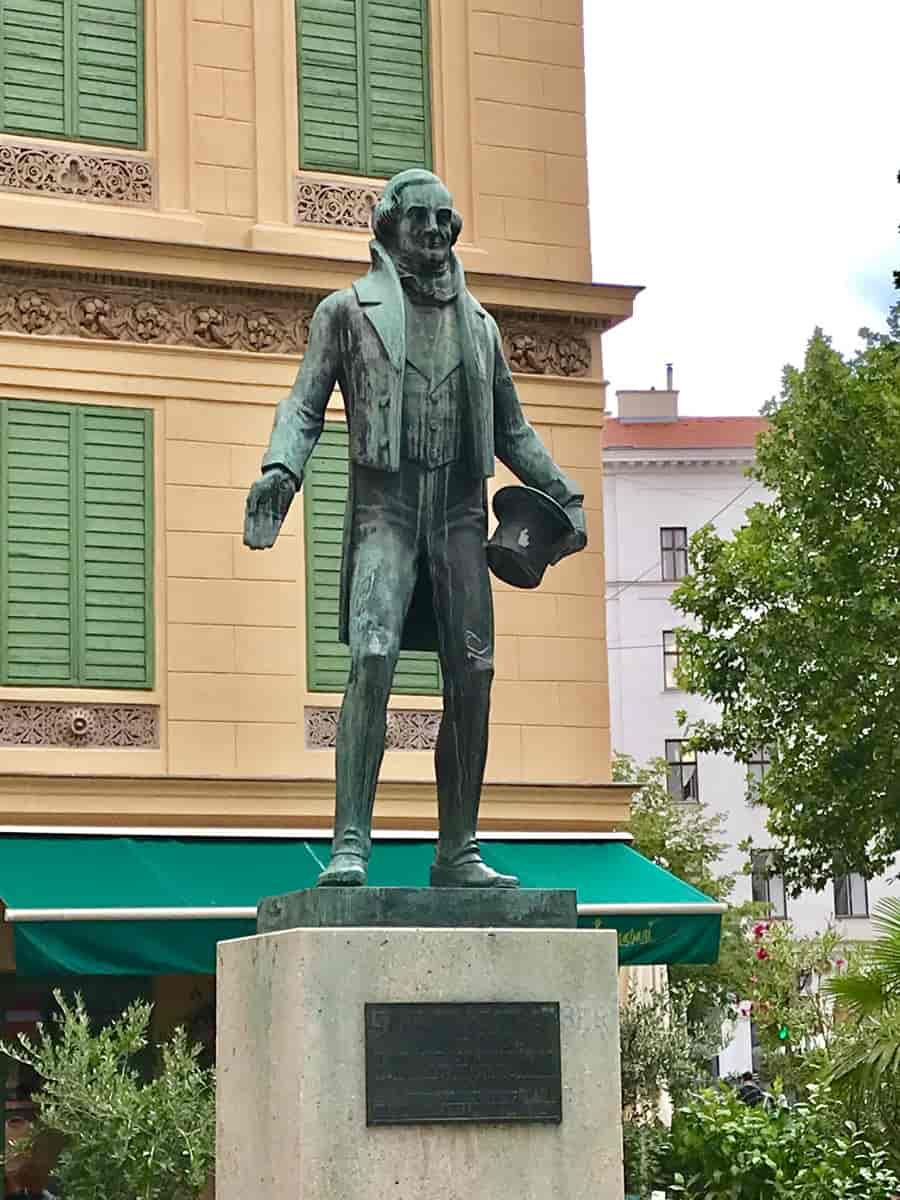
[[430, 403]]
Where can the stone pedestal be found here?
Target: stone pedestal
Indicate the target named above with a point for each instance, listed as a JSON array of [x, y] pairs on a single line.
[[292, 1066]]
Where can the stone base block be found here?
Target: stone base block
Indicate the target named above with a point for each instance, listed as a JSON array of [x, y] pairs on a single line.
[[292, 1069], [454, 908]]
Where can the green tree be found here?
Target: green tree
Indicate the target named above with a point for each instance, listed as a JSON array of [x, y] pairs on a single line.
[[795, 616]]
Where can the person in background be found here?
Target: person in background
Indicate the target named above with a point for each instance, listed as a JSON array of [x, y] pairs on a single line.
[[750, 1092]]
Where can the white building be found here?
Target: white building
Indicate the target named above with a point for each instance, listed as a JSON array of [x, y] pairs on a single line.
[[664, 477]]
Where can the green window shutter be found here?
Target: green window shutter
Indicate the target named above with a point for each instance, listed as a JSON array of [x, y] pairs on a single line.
[[73, 69], [37, 520], [115, 534], [364, 85], [33, 95], [76, 545], [325, 499], [108, 64], [398, 118], [330, 70]]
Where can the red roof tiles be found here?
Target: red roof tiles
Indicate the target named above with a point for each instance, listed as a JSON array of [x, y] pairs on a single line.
[[700, 433]]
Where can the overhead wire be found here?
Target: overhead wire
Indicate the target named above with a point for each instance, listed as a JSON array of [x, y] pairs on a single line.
[[655, 563]]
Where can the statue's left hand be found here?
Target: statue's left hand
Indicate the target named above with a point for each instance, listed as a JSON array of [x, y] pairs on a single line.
[[574, 541]]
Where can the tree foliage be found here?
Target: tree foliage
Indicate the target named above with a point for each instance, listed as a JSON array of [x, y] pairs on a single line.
[[796, 616]]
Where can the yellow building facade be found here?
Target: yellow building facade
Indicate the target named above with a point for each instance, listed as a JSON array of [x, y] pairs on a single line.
[[176, 279]]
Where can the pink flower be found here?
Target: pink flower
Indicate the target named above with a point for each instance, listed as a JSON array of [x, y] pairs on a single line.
[[762, 954], [760, 929]]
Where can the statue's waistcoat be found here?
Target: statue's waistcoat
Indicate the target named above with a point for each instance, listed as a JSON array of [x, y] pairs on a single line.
[[434, 386]]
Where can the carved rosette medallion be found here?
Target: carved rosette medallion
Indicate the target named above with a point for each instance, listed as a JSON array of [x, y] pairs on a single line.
[[75, 726], [332, 202], [76, 174], [407, 729]]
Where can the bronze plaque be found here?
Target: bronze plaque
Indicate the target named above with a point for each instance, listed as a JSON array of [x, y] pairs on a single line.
[[462, 1062]]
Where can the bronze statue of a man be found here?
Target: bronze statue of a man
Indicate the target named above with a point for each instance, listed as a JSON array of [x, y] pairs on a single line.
[[429, 400]]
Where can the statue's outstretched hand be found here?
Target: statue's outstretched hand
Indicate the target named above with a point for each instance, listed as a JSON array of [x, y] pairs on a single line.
[[267, 505], [574, 541]]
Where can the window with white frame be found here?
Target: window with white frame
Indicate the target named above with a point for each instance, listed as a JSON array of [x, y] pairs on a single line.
[[851, 896], [767, 882], [673, 551], [681, 771], [670, 660], [757, 769]]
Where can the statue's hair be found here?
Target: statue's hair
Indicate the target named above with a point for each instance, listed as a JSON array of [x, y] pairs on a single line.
[[386, 212]]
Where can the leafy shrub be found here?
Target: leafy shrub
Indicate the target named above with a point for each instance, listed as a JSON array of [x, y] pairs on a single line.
[[725, 1150], [646, 1149], [124, 1138], [659, 1053]]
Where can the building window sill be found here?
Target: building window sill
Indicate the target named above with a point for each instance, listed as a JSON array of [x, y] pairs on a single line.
[[336, 202], [74, 171]]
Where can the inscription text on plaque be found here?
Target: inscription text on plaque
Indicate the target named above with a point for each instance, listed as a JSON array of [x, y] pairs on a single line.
[[462, 1062]]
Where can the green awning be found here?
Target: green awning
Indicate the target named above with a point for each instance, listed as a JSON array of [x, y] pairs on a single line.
[[158, 905]]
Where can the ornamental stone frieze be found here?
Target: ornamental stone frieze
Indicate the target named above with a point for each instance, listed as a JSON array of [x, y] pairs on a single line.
[[116, 308], [543, 344], [407, 729], [76, 174], [154, 311], [47, 724], [334, 203]]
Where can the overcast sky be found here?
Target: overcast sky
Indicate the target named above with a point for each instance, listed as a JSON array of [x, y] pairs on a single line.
[[743, 164]]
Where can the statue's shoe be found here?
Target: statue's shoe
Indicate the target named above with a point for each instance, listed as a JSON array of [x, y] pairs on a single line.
[[475, 874], [344, 870]]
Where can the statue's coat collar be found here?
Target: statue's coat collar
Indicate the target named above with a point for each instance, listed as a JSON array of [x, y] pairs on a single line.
[[380, 293]]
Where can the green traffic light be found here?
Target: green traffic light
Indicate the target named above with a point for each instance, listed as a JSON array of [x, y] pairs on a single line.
[[784, 1033]]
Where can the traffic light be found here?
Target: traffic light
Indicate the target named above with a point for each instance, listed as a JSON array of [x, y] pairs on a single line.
[[784, 1034]]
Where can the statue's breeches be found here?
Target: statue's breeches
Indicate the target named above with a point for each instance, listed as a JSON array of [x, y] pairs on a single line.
[[425, 526]]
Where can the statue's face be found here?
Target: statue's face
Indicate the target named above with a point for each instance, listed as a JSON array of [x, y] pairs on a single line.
[[423, 234]]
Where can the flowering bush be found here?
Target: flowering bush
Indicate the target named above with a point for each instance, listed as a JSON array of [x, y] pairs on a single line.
[[725, 1150], [782, 991]]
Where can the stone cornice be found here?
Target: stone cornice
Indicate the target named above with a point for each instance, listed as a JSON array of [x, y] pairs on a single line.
[[31, 801], [603, 304], [616, 466]]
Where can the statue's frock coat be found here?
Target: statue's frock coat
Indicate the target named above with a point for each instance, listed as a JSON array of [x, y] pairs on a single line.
[[357, 339]]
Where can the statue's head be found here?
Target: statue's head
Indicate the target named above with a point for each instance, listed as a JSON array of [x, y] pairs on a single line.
[[416, 221]]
